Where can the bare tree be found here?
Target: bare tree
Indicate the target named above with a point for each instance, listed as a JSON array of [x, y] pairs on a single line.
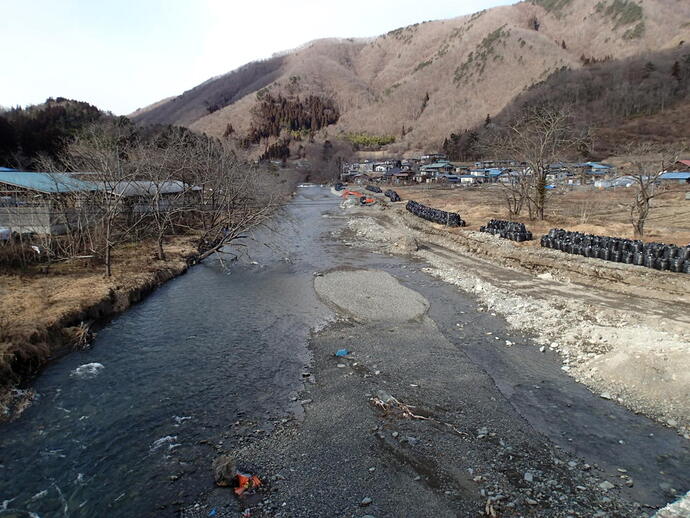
[[161, 193], [326, 160], [150, 188], [103, 152], [538, 138], [647, 165], [515, 189], [230, 198]]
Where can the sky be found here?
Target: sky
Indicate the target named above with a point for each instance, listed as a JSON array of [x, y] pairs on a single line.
[[121, 55]]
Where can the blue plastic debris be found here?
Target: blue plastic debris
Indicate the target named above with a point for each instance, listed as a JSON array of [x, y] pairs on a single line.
[[213, 512], [342, 352]]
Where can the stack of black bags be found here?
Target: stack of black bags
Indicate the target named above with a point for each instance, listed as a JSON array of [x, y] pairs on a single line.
[[450, 219], [652, 255], [373, 188], [507, 230], [392, 195]]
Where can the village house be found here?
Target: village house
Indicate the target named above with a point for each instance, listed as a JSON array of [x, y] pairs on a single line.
[[438, 168], [42, 203], [593, 169], [469, 179], [678, 177], [49, 203], [500, 164], [680, 166]]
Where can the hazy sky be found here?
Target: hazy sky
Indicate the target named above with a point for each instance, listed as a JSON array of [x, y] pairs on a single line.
[[124, 54]]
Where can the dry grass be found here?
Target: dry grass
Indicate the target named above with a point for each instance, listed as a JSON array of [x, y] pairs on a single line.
[[602, 212], [40, 312]]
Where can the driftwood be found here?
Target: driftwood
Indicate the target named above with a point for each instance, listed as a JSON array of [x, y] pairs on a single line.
[[388, 403]]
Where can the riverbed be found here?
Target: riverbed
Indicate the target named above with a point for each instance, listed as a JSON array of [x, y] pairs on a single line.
[[219, 360]]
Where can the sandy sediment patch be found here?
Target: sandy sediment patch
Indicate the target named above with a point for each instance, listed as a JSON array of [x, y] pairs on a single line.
[[370, 295]]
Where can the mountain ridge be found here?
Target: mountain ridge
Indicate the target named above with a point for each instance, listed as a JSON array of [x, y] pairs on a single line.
[[421, 82]]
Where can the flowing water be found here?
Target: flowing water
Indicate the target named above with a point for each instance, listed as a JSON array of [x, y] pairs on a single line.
[[208, 349], [219, 355]]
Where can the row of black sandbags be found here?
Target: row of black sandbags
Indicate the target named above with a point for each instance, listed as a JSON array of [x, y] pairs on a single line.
[[373, 188], [392, 195], [507, 230], [659, 256], [450, 219]]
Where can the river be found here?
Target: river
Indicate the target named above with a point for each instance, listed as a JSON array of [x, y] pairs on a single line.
[[210, 348]]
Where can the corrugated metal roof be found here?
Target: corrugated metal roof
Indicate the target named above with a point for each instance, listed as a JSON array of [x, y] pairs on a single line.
[[144, 187], [437, 165], [46, 182], [675, 176]]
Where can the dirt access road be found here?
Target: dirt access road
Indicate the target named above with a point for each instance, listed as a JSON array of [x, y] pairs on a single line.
[[444, 408]]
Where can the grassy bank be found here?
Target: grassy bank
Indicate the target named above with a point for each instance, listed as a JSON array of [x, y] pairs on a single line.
[[44, 315]]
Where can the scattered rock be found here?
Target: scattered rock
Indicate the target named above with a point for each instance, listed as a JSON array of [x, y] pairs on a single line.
[[529, 477], [606, 485], [365, 502], [407, 243], [224, 470]]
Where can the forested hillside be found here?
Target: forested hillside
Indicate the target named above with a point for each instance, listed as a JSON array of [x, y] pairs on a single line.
[[27, 133], [412, 87], [636, 97], [32, 134]]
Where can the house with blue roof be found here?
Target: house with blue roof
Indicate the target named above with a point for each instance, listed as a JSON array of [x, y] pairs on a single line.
[[595, 168], [438, 167], [28, 200], [682, 177]]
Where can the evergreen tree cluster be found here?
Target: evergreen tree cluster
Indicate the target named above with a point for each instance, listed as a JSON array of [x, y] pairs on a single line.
[[277, 151], [462, 146], [27, 133], [274, 114]]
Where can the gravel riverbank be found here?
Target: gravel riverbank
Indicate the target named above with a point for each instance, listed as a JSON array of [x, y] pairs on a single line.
[[614, 327], [409, 424]]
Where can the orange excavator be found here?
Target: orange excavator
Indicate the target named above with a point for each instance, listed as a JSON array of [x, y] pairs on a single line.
[[364, 200]]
